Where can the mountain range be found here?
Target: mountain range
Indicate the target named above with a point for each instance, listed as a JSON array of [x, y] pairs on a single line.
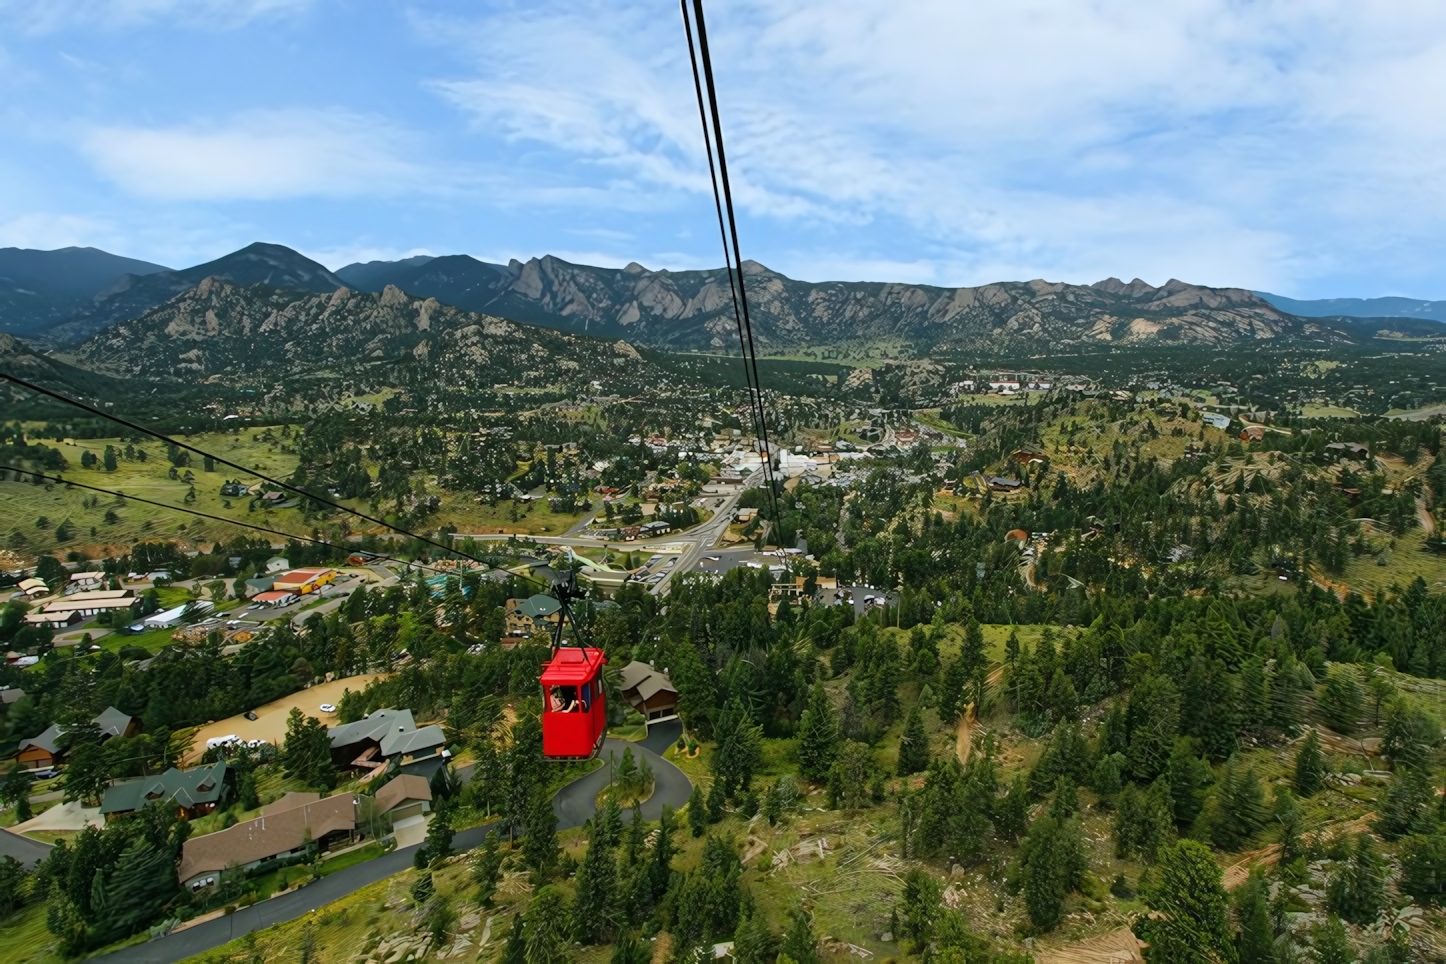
[[1359, 307], [63, 298]]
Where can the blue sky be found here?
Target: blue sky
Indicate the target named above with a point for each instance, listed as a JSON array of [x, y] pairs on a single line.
[[1289, 145]]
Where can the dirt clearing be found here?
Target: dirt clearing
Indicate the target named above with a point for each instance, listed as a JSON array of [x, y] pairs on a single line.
[[270, 722]]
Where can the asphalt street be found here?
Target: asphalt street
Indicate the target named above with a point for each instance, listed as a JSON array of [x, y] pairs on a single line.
[[574, 804]]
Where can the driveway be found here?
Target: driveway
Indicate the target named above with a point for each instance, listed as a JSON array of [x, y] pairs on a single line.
[[64, 818], [574, 803]]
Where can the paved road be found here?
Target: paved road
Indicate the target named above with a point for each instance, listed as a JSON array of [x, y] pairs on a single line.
[[573, 805]]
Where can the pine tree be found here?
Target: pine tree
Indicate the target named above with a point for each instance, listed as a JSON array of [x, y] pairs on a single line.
[[1423, 868], [515, 951], [799, 942], [1242, 809], [920, 905], [752, 941], [818, 735], [539, 833], [1189, 775], [1332, 943], [914, 745], [1053, 863], [596, 881], [1406, 806], [697, 812], [1309, 766], [953, 690], [974, 660], [1154, 719], [1357, 891], [487, 871], [306, 754], [1192, 924], [547, 926], [438, 845], [142, 883], [1342, 700], [1255, 942]]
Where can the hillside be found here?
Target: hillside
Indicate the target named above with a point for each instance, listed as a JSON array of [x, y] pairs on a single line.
[[223, 332], [133, 295], [692, 309], [39, 289]]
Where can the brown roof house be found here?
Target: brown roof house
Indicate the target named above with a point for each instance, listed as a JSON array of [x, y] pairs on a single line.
[[292, 828], [649, 691], [405, 795]]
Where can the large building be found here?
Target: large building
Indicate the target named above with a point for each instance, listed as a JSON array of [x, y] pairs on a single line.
[[291, 827], [91, 603], [303, 581]]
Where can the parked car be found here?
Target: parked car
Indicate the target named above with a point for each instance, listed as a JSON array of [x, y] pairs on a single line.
[[43, 773]]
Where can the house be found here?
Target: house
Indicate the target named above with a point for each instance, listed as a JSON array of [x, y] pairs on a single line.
[[1215, 419], [1000, 484], [273, 498], [34, 588], [293, 826], [275, 597], [258, 585], [277, 564], [25, 851], [649, 530], [54, 620], [414, 746], [194, 792], [234, 490], [384, 735], [112, 722], [536, 613], [1026, 454], [649, 691], [1354, 448], [745, 516], [85, 580], [405, 795], [303, 581], [45, 750], [92, 602], [1252, 433], [11, 694]]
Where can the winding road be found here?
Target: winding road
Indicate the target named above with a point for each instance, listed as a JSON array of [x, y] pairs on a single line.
[[573, 804]]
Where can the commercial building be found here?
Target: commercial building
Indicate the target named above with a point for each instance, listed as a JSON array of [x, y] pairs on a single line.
[[303, 581]]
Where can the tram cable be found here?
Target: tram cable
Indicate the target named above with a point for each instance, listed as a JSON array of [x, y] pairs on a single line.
[[240, 468], [61, 480], [723, 203]]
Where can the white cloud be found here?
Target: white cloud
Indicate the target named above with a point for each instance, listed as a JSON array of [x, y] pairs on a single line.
[[1235, 143], [260, 155], [49, 230], [48, 16]]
